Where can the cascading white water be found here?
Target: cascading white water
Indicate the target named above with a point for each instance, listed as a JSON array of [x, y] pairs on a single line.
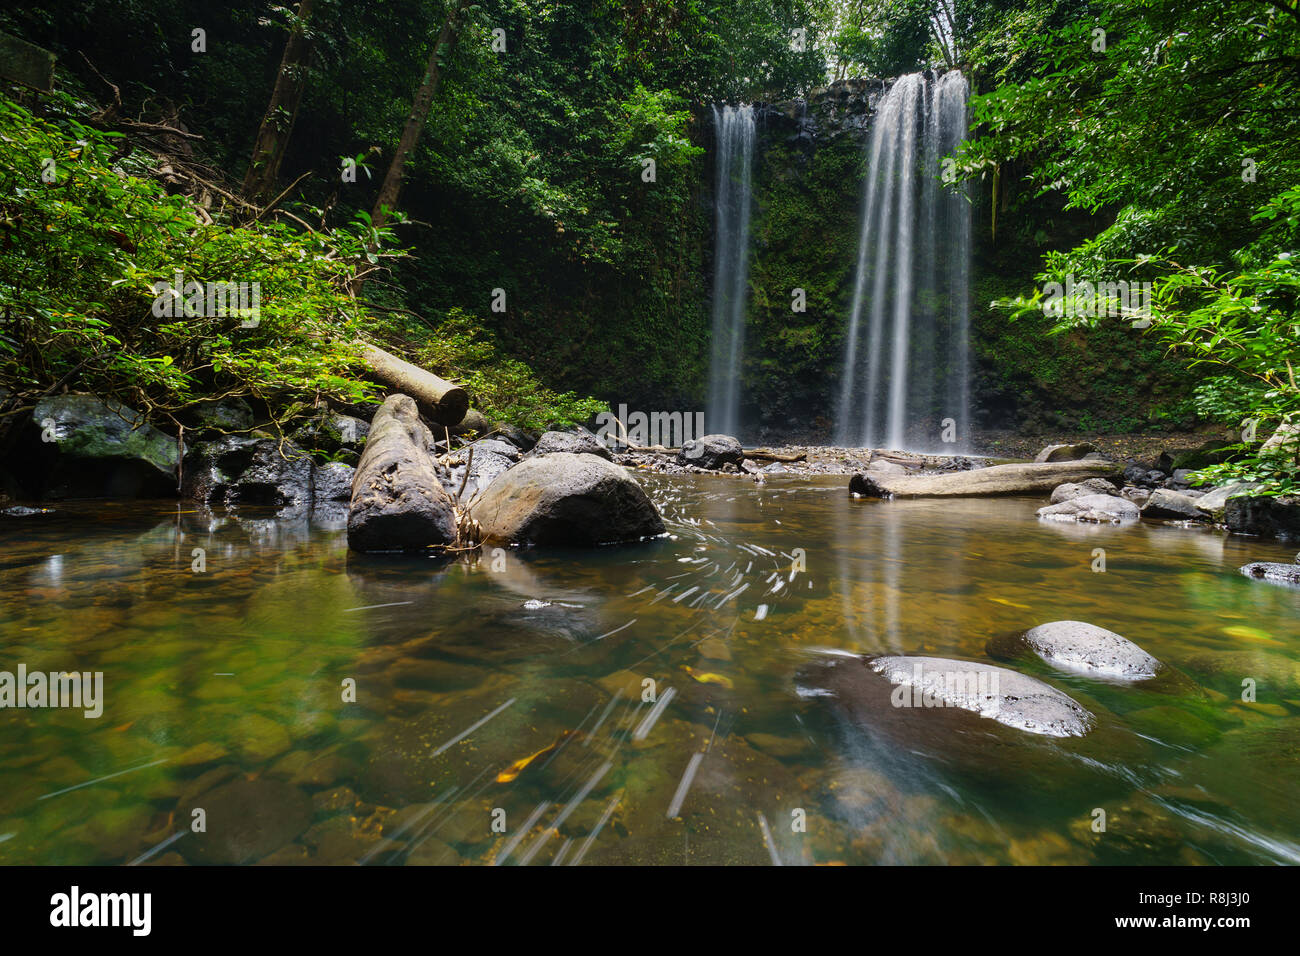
[[914, 255], [734, 128]]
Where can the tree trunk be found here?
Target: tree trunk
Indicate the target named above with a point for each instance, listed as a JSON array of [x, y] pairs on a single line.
[[386, 202], [1030, 479], [277, 125], [440, 400]]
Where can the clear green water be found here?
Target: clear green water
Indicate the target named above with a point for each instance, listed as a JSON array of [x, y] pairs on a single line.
[[224, 691]]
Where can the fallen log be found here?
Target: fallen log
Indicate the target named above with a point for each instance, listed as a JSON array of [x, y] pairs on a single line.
[[439, 400], [398, 502], [766, 454], [1026, 479]]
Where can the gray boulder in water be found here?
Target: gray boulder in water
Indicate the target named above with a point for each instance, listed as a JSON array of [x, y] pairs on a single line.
[[711, 452], [1172, 505], [1077, 489], [997, 693], [565, 499], [398, 500], [1091, 508], [1088, 649], [1276, 573]]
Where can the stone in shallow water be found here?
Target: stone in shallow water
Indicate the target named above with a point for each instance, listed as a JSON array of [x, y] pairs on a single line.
[[1088, 649], [1172, 505], [1275, 573], [711, 452], [565, 499], [1013, 699], [1091, 508], [1077, 489]]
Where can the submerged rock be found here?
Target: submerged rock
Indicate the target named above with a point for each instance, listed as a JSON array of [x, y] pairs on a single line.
[[1174, 505], [1006, 696], [565, 499], [581, 442], [246, 820], [398, 501], [83, 447], [1092, 508], [892, 693], [1088, 649], [713, 452], [1274, 572]]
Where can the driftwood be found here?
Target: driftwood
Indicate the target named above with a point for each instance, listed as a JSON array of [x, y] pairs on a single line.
[[1026, 479], [766, 454], [440, 400]]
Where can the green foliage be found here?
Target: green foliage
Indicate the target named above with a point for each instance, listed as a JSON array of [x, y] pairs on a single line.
[[1180, 120], [504, 389], [91, 253]]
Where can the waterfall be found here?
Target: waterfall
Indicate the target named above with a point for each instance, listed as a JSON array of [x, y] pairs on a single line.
[[734, 128], [911, 285]]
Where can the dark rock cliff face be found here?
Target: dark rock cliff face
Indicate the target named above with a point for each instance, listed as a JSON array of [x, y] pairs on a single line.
[[842, 109]]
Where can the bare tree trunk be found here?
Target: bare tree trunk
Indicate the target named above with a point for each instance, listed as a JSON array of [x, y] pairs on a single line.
[[443, 402], [386, 202], [277, 125]]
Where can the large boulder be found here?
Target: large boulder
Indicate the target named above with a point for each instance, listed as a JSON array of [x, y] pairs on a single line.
[[1009, 697], [1214, 501], [398, 499], [1172, 505], [1075, 452], [1274, 572], [239, 470], [1091, 508], [1026, 479], [82, 447], [565, 499], [1088, 649], [1267, 517], [711, 452], [581, 442], [1077, 489]]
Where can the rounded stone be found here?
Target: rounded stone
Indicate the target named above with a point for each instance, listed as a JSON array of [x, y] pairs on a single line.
[[1087, 649]]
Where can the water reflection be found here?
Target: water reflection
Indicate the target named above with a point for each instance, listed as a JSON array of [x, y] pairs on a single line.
[[635, 704]]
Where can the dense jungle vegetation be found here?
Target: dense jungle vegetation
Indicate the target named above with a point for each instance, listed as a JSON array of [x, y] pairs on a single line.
[[545, 238]]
